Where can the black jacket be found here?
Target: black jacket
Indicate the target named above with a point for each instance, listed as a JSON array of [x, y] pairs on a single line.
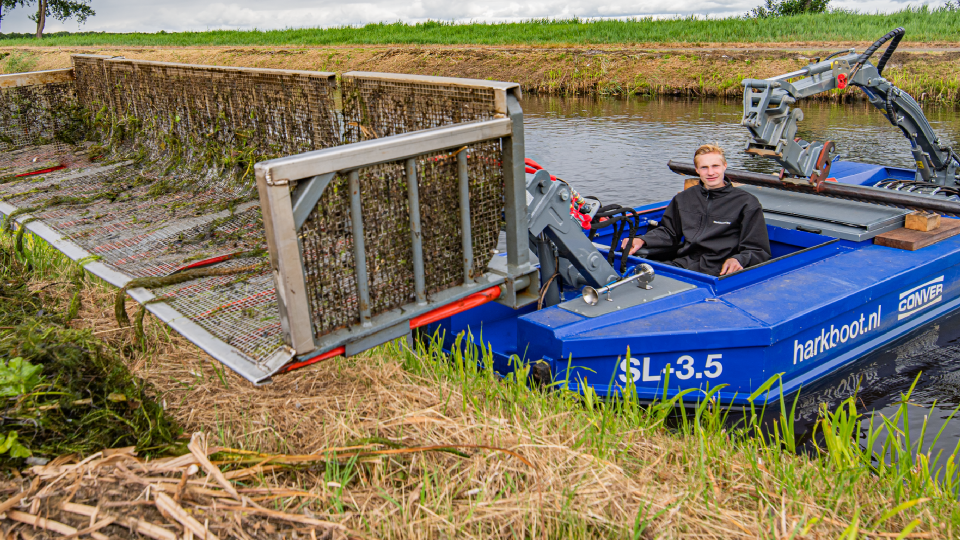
[[715, 225]]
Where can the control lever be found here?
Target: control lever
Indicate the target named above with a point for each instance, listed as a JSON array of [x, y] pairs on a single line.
[[643, 278]]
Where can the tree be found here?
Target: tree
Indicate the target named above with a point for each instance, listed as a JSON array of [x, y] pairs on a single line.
[[785, 8], [60, 10]]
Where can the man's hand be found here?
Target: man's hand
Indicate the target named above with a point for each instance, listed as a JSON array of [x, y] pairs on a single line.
[[637, 244], [730, 266]]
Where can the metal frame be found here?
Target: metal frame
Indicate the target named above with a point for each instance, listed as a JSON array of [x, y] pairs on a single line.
[[202, 67], [285, 211], [36, 77], [257, 373]]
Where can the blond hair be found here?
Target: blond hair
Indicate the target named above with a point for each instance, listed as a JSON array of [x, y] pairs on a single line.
[[709, 149]]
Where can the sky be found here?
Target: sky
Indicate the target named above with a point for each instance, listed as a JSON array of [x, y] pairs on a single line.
[[180, 15]]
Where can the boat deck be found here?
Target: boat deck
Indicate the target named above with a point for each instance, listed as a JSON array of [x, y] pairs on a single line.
[[785, 316]]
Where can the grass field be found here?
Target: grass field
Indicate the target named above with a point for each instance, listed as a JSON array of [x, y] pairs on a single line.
[[923, 26]]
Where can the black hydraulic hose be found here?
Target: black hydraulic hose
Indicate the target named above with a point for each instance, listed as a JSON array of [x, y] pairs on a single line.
[[833, 189], [624, 220], [896, 35], [617, 231], [831, 55], [634, 225], [890, 49]]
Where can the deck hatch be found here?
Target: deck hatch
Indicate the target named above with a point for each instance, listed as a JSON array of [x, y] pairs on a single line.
[[627, 297], [838, 218]]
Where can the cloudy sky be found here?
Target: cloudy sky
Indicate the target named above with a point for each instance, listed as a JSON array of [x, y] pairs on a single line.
[[177, 15]]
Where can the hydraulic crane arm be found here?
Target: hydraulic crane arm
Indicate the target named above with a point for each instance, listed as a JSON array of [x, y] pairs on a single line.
[[548, 211], [773, 124]]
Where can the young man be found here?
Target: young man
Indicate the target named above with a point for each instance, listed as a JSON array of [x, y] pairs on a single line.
[[719, 228]]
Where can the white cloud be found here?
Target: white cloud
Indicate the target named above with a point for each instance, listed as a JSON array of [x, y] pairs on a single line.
[[179, 15]]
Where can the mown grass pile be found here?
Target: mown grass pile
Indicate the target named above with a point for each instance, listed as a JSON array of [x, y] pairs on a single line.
[[62, 390], [923, 25]]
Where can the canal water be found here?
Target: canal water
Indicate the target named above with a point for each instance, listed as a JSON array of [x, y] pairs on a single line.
[[617, 150]]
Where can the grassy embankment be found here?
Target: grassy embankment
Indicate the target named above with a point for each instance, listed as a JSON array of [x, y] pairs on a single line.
[[506, 460], [924, 26], [555, 57]]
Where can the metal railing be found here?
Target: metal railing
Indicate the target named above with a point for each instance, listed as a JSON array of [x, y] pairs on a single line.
[[291, 187]]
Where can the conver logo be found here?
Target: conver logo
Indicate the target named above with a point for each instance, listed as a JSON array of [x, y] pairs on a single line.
[[920, 298]]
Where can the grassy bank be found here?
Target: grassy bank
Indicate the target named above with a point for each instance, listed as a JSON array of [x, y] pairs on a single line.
[[576, 70], [923, 26], [401, 443]]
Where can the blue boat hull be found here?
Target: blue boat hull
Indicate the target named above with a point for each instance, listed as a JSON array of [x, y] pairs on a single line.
[[820, 305]]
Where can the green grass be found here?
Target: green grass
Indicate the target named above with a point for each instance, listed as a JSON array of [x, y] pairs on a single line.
[[922, 24]]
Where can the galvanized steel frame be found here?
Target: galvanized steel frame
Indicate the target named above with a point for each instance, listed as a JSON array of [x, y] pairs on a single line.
[[284, 212], [36, 77]]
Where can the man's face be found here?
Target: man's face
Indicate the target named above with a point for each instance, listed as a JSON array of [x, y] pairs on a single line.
[[710, 167]]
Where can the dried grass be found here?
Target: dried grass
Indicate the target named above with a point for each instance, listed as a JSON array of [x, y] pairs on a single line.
[[708, 69]]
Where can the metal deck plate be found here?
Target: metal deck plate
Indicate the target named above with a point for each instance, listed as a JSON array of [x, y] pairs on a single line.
[[837, 218], [627, 296]]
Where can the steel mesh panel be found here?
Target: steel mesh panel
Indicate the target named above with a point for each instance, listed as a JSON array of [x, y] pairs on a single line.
[[172, 185], [327, 252], [327, 244], [172, 143], [242, 310], [146, 235], [387, 241], [37, 115], [375, 108], [210, 117], [440, 213]]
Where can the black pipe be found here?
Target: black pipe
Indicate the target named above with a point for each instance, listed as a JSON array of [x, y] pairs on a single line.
[[832, 189]]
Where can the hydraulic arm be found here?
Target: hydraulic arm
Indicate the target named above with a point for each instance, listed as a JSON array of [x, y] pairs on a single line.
[[548, 208], [772, 123]]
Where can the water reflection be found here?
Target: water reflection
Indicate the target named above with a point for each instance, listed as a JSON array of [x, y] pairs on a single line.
[[617, 149], [931, 357]]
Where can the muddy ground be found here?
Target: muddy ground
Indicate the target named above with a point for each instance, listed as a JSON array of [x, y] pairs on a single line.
[[930, 72]]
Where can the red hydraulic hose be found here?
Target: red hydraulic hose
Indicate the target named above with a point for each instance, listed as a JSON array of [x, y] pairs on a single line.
[[449, 310]]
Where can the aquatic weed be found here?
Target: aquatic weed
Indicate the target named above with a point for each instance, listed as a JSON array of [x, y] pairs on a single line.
[[73, 395]]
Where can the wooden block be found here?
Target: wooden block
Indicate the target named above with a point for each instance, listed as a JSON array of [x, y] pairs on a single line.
[[922, 221], [911, 240]]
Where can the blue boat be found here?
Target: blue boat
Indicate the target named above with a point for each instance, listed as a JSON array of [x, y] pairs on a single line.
[[823, 300], [830, 293]]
